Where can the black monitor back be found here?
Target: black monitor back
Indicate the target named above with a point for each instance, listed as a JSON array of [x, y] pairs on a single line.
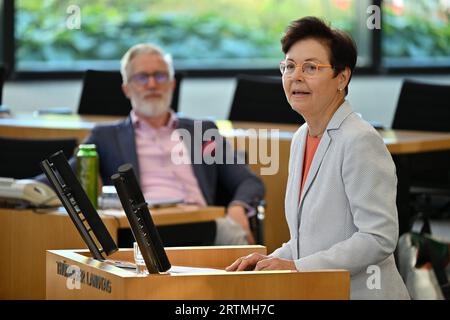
[[140, 219], [78, 206]]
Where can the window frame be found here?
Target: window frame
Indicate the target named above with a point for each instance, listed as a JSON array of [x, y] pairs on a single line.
[[375, 66]]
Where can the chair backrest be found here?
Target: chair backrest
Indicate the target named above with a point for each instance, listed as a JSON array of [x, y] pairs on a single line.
[[20, 158], [102, 94], [2, 80], [262, 99], [423, 106], [176, 93]]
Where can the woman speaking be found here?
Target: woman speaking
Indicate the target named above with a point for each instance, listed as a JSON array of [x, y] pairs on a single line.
[[341, 192]]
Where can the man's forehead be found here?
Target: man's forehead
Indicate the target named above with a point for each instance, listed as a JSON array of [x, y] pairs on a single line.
[[148, 60]]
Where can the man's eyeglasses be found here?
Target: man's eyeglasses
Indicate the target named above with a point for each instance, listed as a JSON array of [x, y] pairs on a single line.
[[309, 68], [143, 78]]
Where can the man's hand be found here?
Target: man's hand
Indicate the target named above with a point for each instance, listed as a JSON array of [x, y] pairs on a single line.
[[238, 214]]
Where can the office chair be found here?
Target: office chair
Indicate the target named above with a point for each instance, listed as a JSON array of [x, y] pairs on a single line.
[[423, 106], [102, 94], [2, 80], [262, 99], [20, 158]]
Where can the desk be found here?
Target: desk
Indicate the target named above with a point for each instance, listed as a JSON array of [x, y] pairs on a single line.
[[25, 235], [398, 142], [51, 126], [180, 214], [220, 285]]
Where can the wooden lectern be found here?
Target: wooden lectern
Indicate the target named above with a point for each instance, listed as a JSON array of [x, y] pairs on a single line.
[[73, 274]]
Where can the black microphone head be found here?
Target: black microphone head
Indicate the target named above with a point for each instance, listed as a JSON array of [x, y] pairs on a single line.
[[125, 168], [129, 178], [115, 176]]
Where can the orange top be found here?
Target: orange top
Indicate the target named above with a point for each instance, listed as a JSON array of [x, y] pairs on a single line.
[[311, 146]]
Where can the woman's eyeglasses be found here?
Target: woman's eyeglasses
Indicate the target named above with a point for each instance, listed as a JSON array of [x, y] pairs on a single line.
[[309, 68], [143, 78]]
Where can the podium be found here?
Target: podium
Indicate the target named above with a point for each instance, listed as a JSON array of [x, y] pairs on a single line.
[[25, 235], [73, 274]]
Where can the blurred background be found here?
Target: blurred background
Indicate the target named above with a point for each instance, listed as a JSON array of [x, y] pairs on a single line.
[[46, 45]]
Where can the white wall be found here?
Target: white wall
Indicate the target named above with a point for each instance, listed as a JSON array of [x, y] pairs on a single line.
[[375, 97]]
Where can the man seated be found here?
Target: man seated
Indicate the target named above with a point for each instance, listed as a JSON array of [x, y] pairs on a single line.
[[172, 156]]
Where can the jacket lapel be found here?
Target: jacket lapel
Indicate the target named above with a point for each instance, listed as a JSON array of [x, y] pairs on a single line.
[[127, 144], [315, 165], [198, 168], [335, 122], [293, 185]]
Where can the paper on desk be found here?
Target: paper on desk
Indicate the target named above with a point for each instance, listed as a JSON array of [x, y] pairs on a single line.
[[181, 269]]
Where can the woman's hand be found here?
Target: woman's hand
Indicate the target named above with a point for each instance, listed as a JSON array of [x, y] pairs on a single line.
[[275, 264], [246, 263], [258, 262]]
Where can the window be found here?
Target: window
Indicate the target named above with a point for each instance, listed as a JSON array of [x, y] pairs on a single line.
[[201, 34], [416, 33]]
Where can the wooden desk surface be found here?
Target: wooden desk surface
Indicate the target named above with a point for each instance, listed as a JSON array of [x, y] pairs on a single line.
[[51, 126], [54, 126], [408, 141], [73, 121], [180, 214], [397, 141]]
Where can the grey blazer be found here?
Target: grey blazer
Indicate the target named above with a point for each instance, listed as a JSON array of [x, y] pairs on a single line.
[[346, 217]]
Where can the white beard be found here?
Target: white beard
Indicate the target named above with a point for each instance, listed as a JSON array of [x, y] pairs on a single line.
[[152, 109]]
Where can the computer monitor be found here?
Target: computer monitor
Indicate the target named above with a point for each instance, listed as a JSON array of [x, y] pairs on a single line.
[[140, 219], [78, 206]]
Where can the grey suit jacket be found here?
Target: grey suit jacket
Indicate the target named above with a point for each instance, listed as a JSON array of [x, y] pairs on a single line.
[[346, 217], [219, 183]]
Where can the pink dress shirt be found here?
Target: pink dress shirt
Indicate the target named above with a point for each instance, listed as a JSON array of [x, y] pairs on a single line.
[[160, 177]]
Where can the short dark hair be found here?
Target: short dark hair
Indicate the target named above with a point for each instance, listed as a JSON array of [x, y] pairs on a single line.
[[341, 47]]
